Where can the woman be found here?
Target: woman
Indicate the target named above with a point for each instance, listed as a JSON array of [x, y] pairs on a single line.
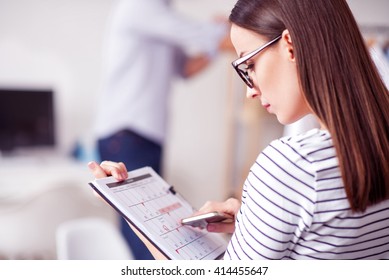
[[323, 194]]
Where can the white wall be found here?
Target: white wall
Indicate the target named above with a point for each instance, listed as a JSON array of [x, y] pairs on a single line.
[[370, 12], [55, 43], [197, 152]]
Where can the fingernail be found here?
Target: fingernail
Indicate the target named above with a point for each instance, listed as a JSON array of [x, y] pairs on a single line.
[[210, 227], [117, 175], [91, 165]]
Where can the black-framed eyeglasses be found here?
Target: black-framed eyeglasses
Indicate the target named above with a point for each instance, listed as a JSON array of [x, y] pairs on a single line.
[[238, 64]]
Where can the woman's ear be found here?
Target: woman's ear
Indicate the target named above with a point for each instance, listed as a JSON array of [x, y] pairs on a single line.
[[288, 44]]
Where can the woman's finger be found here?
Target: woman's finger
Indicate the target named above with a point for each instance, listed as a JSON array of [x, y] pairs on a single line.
[[116, 169], [230, 206], [97, 170], [221, 227], [108, 168]]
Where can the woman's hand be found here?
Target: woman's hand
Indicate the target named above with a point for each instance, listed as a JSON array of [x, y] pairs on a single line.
[[107, 168], [231, 207]]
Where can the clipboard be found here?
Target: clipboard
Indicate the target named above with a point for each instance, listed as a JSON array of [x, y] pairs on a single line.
[[152, 206]]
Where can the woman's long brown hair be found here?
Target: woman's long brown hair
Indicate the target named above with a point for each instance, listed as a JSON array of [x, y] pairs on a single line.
[[340, 83]]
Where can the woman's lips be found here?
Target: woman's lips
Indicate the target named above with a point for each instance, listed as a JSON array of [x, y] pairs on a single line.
[[266, 106]]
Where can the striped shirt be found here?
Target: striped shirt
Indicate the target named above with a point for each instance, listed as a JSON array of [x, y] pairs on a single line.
[[294, 206]]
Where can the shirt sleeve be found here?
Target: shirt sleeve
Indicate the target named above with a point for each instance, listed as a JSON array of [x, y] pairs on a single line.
[[278, 208], [158, 21]]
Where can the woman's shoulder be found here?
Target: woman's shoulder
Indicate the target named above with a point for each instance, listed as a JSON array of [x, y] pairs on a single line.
[[285, 170], [313, 145], [299, 162], [309, 152]]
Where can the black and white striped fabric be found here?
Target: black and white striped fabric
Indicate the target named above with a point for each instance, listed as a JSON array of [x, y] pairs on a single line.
[[294, 206]]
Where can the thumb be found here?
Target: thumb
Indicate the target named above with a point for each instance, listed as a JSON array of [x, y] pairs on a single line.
[[96, 170]]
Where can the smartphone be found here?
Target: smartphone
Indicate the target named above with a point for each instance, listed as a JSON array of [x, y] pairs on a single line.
[[202, 220]]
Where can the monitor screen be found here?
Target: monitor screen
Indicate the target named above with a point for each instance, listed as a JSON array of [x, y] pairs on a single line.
[[26, 118]]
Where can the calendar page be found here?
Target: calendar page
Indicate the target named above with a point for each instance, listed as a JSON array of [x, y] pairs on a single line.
[[153, 207]]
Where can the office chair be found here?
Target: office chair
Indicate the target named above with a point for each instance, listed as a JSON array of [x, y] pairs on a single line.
[[90, 239]]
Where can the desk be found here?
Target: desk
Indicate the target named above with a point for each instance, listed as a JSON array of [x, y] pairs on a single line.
[[38, 194]]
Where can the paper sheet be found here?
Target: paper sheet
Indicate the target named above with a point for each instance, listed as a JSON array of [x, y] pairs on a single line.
[[151, 205]]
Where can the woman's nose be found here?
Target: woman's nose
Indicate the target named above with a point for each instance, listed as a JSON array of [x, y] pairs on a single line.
[[252, 92]]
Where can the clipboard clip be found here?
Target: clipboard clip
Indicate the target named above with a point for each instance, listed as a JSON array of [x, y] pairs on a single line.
[[172, 190]]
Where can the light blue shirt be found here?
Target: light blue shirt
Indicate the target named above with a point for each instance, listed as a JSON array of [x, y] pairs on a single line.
[[144, 52]]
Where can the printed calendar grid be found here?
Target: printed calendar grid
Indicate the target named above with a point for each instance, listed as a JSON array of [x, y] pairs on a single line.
[[150, 201]]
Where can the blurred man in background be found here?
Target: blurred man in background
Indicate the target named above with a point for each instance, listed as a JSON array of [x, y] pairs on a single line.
[[148, 45]]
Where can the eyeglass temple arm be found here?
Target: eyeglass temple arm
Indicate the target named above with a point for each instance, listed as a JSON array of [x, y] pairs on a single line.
[[250, 55]]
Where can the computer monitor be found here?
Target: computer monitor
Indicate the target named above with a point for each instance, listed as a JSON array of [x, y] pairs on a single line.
[[26, 118]]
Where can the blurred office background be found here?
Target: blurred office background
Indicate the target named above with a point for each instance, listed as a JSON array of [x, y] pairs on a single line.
[[55, 47]]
